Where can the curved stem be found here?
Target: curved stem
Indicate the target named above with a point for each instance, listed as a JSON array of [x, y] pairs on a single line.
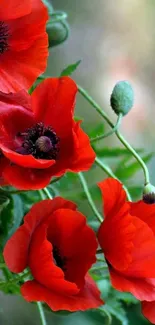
[[120, 136], [88, 195], [110, 173], [57, 16], [135, 154], [48, 4], [47, 193], [115, 128], [41, 312]]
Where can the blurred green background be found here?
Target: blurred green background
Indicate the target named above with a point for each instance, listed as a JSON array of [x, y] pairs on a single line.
[[115, 39]]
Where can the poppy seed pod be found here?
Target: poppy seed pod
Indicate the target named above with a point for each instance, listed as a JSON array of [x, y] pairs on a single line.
[[57, 33], [149, 194], [122, 97]]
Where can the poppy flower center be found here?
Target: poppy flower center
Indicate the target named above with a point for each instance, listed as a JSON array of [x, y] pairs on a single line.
[[58, 259], [39, 141], [4, 35]]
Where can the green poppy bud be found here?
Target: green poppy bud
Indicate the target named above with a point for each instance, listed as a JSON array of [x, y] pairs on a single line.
[[57, 33], [149, 194], [122, 97]]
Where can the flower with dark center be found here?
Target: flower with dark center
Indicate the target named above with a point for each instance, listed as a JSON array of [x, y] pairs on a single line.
[[39, 138], [127, 238], [39, 141], [59, 249], [23, 43]]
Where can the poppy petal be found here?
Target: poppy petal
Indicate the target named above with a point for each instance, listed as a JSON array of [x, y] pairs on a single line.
[[55, 98], [83, 155], [27, 65], [145, 212], [141, 288], [26, 178], [88, 298], [43, 268], [27, 161], [115, 236], [148, 310], [78, 247], [16, 248], [14, 9], [114, 196], [16, 116], [143, 254], [25, 30]]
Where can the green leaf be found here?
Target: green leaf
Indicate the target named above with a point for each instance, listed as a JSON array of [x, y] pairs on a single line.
[[114, 152], [125, 170], [126, 297], [4, 201], [10, 218], [98, 130], [70, 69], [115, 309]]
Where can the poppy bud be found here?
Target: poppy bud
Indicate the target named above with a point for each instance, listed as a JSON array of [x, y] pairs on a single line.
[[57, 33], [149, 194], [122, 97]]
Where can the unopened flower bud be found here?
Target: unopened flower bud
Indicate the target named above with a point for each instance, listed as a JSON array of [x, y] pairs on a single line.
[[149, 194], [57, 33], [122, 97]]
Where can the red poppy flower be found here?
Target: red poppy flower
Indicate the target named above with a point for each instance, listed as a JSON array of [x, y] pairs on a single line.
[[23, 43], [127, 237], [39, 137], [59, 249]]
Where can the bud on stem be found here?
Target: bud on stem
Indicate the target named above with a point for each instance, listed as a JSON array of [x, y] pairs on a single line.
[[149, 194]]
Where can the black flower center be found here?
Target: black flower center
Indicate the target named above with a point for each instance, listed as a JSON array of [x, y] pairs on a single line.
[[4, 35], [58, 259], [39, 141]]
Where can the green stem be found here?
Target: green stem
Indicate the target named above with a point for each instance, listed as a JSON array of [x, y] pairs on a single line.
[[57, 16], [110, 173], [135, 154], [88, 195], [42, 195], [48, 4], [115, 128], [47, 193], [120, 137], [41, 312]]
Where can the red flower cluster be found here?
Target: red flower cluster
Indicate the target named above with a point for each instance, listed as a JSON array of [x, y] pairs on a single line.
[[127, 237], [59, 248], [39, 137], [23, 43]]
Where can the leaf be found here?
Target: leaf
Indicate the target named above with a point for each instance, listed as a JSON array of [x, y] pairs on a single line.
[[98, 130], [126, 297], [124, 171], [114, 152], [115, 308], [11, 217], [4, 201], [70, 69]]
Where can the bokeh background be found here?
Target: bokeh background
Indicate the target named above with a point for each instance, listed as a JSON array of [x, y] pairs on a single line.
[[115, 39]]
